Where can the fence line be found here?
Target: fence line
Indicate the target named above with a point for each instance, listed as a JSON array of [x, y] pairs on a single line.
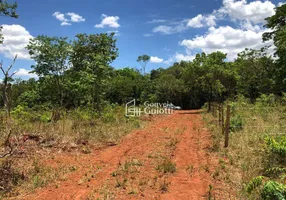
[[223, 121], [217, 110]]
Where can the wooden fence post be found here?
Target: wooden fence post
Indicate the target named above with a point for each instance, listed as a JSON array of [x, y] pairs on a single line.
[[222, 119], [219, 114], [227, 125]]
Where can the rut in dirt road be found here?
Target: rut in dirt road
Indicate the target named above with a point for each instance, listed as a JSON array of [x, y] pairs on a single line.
[[168, 159]]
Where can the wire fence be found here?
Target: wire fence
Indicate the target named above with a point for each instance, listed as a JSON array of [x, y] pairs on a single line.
[[224, 113]]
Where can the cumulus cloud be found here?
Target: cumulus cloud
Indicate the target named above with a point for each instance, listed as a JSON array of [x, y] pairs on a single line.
[[247, 33], [75, 17], [201, 21], [25, 73], [60, 16], [66, 21], [226, 39], [155, 59], [178, 57], [108, 21], [255, 11], [16, 38]]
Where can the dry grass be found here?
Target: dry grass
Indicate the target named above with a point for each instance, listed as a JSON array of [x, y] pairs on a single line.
[[33, 137], [248, 155]]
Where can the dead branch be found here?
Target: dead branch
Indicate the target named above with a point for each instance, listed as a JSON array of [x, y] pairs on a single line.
[[9, 145]]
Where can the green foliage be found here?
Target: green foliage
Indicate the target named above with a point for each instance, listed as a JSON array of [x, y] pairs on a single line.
[[143, 60], [7, 9], [275, 171], [269, 190], [236, 122], [273, 190], [20, 113], [254, 184], [277, 145], [266, 100], [277, 25], [255, 73]]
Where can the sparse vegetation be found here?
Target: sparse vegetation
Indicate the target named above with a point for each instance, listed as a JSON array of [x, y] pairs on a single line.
[[257, 148], [166, 166]]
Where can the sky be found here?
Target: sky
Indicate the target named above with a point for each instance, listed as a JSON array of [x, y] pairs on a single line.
[[167, 30]]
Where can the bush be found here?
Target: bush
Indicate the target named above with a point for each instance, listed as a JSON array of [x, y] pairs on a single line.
[[236, 123], [277, 145], [269, 190]]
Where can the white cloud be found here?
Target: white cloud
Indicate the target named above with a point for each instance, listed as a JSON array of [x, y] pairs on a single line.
[[155, 59], [26, 73], [60, 16], [75, 17], [254, 12], [281, 4], [196, 22], [210, 20], [108, 21], [155, 21], [178, 57], [67, 22], [16, 38], [201, 21], [116, 32], [169, 29], [226, 39]]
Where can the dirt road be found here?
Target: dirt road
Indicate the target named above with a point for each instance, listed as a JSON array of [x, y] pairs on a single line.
[[168, 159]]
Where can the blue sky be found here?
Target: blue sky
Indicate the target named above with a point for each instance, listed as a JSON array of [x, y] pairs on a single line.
[[167, 30]]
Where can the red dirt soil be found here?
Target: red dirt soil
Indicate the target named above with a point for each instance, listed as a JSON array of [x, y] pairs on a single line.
[[129, 170]]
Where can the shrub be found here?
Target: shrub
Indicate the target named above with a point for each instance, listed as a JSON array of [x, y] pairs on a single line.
[[236, 123], [269, 190], [277, 145]]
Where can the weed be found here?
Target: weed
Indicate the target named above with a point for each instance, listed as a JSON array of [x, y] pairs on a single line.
[[173, 142], [216, 173], [167, 166], [190, 169], [164, 186]]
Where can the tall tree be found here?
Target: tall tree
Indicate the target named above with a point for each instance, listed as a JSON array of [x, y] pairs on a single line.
[[91, 57], [143, 60], [277, 25], [52, 60], [255, 73]]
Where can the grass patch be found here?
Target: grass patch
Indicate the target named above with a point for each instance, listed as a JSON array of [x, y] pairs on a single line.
[[166, 166]]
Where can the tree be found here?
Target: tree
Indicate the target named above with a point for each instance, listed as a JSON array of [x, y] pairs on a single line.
[[52, 60], [6, 86], [91, 57], [9, 10], [277, 25], [143, 60], [255, 70], [124, 85]]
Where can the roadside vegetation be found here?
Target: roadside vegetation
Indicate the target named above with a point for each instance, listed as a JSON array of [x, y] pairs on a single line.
[[256, 153], [77, 104]]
